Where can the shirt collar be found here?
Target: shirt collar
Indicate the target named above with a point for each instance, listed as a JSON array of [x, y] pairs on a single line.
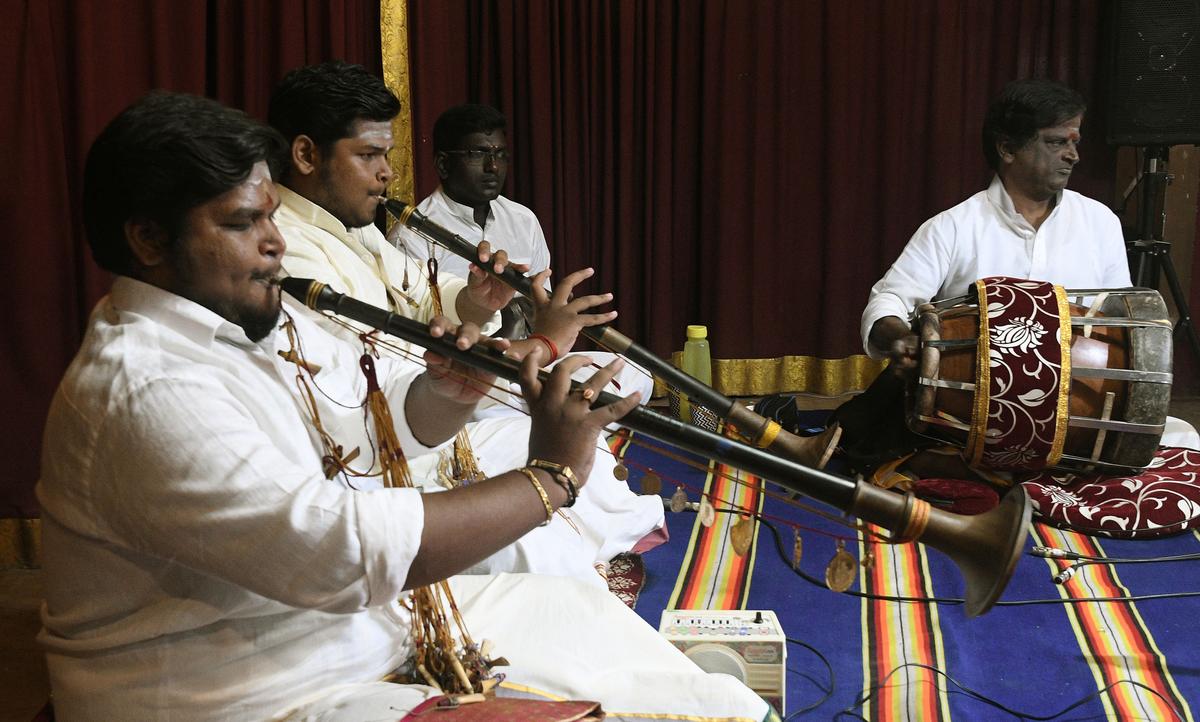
[[309, 212], [193, 321], [464, 212], [998, 196]]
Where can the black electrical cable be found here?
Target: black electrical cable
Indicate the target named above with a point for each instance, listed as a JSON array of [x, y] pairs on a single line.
[[828, 691], [973, 694]]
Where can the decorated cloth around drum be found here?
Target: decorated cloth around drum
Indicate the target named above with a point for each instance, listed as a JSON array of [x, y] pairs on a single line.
[[1160, 501], [1023, 380]]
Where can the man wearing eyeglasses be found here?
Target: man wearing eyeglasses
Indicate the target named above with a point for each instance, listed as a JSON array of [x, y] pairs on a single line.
[[471, 156], [470, 153]]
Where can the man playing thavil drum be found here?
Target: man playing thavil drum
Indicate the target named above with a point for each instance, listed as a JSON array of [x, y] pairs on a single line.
[[1025, 225]]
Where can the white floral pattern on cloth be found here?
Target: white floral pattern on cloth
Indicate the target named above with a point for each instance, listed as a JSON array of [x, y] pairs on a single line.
[[625, 577], [1023, 374], [1162, 500]]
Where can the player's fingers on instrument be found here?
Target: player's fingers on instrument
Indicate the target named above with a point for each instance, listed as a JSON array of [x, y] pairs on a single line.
[[560, 377], [583, 303], [538, 288], [595, 319], [531, 385], [604, 374], [605, 415], [468, 335], [485, 251], [562, 292], [498, 344], [440, 326], [499, 261]]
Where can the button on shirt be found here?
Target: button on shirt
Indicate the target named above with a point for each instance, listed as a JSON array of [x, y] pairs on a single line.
[[1079, 245], [509, 226], [198, 563]]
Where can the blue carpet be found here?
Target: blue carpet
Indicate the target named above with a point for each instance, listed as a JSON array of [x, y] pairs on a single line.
[[1026, 657]]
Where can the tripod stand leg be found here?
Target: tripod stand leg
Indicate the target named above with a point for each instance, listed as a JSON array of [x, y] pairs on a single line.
[[1181, 305]]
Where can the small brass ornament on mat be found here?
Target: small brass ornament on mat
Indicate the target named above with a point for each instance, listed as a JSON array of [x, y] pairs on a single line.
[[679, 500], [842, 569], [707, 514], [797, 550], [651, 483], [621, 472], [867, 560], [741, 535]]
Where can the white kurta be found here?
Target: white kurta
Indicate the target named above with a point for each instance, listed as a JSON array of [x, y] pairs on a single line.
[[199, 566], [1078, 246], [606, 520]]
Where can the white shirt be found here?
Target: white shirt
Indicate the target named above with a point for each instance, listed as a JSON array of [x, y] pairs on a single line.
[[199, 566], [360, 262], [509, 226], [198, 563], [1079, 245]]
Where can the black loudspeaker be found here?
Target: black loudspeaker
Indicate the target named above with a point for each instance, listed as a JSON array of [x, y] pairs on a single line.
[[1154, 96]]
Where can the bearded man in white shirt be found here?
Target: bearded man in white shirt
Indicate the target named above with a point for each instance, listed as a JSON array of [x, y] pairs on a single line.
[[337, 120], [200, 564]]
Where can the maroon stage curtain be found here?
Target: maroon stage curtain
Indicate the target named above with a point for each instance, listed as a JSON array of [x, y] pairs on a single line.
[[751, 166], [66, 68]]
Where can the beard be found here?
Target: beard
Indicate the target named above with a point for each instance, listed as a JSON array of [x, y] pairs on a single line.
[[258, 323], [256, 320]]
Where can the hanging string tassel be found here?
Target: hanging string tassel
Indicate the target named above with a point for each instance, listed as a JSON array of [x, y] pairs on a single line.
[[444, 654], [463, 467]]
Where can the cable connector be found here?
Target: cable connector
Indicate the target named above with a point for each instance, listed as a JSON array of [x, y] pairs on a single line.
[[1065, 575], [1052, 553]]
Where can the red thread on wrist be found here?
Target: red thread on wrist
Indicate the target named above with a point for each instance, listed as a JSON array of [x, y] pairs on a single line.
[[549, 345]]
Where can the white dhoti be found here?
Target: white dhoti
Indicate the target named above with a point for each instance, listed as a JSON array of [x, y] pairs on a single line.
[[1178, 432], [563, 639], [607, 518]]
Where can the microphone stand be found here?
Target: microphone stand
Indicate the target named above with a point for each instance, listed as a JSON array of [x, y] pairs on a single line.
[[1149, 253]]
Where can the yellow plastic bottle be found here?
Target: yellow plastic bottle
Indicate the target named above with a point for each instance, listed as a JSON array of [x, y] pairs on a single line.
[[697, 363]]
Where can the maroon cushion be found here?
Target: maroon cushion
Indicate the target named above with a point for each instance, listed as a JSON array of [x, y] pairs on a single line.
[[1164, 499], [959, 496]]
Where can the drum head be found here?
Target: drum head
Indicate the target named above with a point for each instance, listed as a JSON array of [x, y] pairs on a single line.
[[1145, 402]]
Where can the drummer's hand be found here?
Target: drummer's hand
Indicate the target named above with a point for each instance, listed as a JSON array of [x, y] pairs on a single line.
[[904, 354], [893, 336]]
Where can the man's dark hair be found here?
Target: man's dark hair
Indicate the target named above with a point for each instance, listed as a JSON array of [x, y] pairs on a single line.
[[1022, 109], [158, 159], [323, 101], [462, 120]]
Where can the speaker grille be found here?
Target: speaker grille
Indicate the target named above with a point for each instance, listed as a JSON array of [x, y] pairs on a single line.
[[1155, 89]]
